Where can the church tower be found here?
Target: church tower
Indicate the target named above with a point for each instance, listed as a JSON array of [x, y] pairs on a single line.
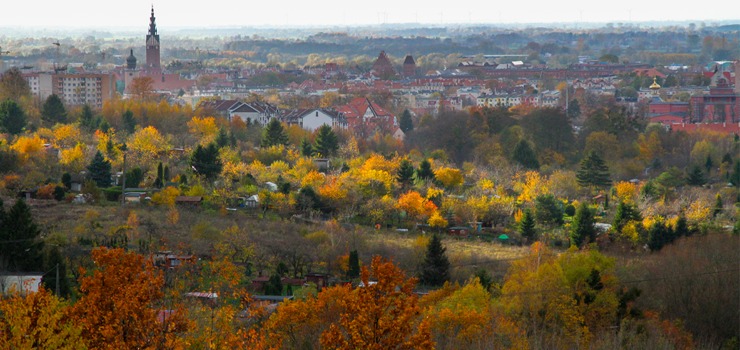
[[152, 47]]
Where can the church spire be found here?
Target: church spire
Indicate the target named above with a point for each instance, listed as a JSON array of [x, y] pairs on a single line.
[[152, 24]]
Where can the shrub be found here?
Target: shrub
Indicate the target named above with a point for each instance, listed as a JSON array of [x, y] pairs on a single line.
[[113, 194]]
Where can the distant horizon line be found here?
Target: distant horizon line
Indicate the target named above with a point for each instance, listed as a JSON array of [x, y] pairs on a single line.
[[395, 25]]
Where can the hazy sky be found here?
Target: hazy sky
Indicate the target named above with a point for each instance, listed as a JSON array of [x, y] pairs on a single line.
[[197, 13]]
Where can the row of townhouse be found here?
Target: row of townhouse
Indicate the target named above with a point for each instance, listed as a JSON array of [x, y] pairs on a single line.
[[547, 98]]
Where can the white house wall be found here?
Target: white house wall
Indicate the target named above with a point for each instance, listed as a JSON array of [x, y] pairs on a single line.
[[316, 119]]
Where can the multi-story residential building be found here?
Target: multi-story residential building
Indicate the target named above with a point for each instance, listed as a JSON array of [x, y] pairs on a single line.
[[74, 89]]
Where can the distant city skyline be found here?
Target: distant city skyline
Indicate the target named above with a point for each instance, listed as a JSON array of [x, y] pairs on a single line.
[[190, 13]]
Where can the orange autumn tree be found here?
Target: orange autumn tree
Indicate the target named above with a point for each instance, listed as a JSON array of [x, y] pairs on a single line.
[[379, 316], [117, 308], [384, 315], [37, 321], [416, 206]]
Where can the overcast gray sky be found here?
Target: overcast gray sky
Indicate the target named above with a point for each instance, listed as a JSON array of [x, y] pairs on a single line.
[[214, 13]]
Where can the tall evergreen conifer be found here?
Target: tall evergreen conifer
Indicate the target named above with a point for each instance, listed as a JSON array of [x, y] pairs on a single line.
[[593, 172], [25, 253], [53, 111], [99, 170], [274, 134], [582, 226], [326, 143], [435, 270], [524, 155]]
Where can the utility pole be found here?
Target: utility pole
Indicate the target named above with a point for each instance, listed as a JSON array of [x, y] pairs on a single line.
[[57, 284], [567, 100], [123, 187]]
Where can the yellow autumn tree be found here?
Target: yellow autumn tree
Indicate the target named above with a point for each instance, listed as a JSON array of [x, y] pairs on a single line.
[[437, 220], [146, 144], [530, 185], [38, 320], [66, 135], [204, 128], [73, 159], [449, 177]]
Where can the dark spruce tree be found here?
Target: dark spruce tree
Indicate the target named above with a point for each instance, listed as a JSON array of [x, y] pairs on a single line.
[[12, 117], [129, 123], [406, 123], [54, 258], [104, 126], [727, 159], [660, 235], [205, 161], [222, 139], [25, 253], [696, 177], [548, 210], [326, 143], [86, 119], [435, 269], [405, 173], [354, 265], [625, 213], [526, 226], [582, 227], [682, 228], [735, 175], [593, 172], [274, 134], [424, 172], [99, 170], [306, 148], [524, 155], [53, 111], [708, 164], [274, 285]]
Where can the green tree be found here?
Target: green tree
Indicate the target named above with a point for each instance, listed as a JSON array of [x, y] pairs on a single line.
[[735, 176], [435, 269], [696, 177], [99, 170], [12, 117], [574, 109], [547, 210], [708, 163], [593, 171], [306, 148], [582, 227], [53, 258], [727, 158], [134, 177], [736, 227], [21, 251], [129, 123], [406, 123], [104, 127], [13, 86], [86, 118], [158, 182], [424, 172], [660, 235], [625, 213], [608, 57], [526, 226], [274, 285], [718, 207], [354, 264], [205, 160], [274, 134], [222, 139], [326, 143], [53, 111], [67, 180], [524, 155], [682, 227], [405, 172]]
